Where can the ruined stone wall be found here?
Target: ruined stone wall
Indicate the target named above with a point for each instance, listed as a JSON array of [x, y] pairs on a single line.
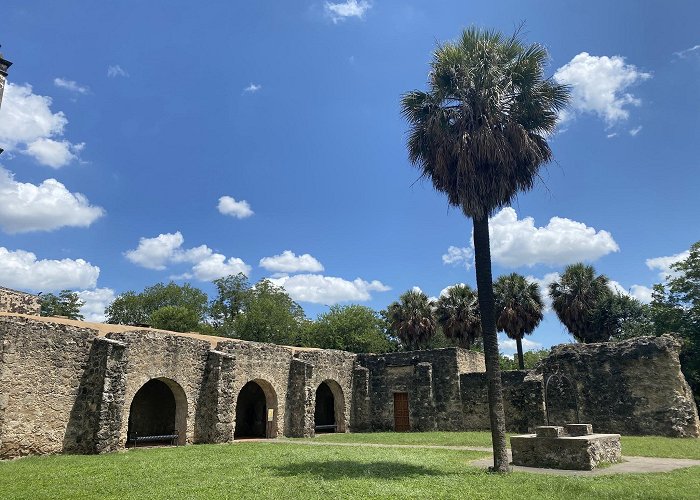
[[13, 301], [42, 367], [630, 387]]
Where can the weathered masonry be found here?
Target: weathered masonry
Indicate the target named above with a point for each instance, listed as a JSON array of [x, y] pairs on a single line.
[[76, 387]]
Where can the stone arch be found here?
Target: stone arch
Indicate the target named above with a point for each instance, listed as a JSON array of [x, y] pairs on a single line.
[[330, 407], [159, 407], [560, 400], [256, 411]]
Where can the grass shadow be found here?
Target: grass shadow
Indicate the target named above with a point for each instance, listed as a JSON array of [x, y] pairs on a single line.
[[349, 469]]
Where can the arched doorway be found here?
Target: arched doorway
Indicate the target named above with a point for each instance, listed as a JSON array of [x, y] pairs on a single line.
[[159, 408], [329, 413], [256, 411], [560, 400]]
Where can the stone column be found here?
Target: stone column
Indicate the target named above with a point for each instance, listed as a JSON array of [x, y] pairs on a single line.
[[425, 402], [359, 417], [215, 414], [111, 400], [300, 400]]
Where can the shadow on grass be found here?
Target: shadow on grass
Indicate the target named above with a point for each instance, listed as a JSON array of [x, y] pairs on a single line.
[[348, 469]]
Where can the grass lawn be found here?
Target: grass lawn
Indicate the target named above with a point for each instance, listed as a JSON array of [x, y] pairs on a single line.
[[288, 470], [648, 446]]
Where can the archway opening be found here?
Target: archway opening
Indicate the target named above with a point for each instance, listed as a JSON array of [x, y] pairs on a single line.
[[324, 414], [256, 410], [561, 403], [158, 413]]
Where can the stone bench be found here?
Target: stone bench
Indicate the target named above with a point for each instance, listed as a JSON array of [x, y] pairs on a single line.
[[572, 447]]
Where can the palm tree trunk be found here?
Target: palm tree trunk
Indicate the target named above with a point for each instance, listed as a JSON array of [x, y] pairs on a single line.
[[521, 361], [484, 283]]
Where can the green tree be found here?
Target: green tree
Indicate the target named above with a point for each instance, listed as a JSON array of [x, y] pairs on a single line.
[[531, 358], [411, 319], [353, 328], [130, 308], [479, 134], [230, 299], [519, 308], [457, 313], [67, 303]]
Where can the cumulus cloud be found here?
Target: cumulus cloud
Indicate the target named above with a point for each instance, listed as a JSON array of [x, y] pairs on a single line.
[[288, 262], [599, 85], [21, 269], [71, 85], [116, 70], [518, 242], [351, 8], [329, 290], [459, 256], [238, 209], [95, 302], [27, 125], [663, 264], [544, 283], [640, 292], [508, 346], [26, 207], [252, 88], [166, 249]]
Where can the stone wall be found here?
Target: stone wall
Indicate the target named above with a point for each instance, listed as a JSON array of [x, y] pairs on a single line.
[[630, 387], [13, 301]]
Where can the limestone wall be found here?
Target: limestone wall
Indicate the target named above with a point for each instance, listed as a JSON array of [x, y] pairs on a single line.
[[13, 301]]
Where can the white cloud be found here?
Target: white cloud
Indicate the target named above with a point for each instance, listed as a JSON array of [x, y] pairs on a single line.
[[26, 207], [508, 346], [116, 70], [516, 243], [21, 269], [95, 302], [319, 289], [350, 8], [682, 54], [238, 209], [639, 292], [165, 249], [71, 85], [252, 88], [459, 255], [599, 86], [544, 283], [610, 136], [635, 130], [288, 262], [663, 264], [28, 125]]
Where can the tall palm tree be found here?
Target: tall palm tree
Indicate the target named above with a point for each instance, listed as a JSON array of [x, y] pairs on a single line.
[[457, 312], [577, 298], [519, 308], [411, 319], [479, 134]]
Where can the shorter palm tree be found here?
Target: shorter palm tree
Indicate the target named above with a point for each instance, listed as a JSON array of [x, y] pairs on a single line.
[[457, 312], [411, 319], [575, 298], [519, 308]]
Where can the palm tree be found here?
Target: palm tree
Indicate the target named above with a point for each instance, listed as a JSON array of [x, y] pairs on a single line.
[[519, 308], [479, 134], [411, 319], [577, 298], [457, 312]]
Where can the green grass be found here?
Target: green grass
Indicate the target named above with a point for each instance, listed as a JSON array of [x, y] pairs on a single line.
[[648, 446], [288, 470]]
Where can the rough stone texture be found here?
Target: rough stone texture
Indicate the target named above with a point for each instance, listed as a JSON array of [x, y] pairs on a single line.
[[631, 387], [432, 381], [523, 400], [549, 431], [567, 452], [13, 301], [578, 429]]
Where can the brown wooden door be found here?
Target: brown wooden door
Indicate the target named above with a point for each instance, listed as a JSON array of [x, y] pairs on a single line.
[[401, 421]]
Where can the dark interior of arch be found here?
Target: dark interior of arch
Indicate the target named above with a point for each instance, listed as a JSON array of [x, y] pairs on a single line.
[[152, 411], [324, 414], [251, 410]]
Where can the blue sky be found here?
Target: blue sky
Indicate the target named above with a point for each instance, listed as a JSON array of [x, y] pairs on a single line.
[[150, 140]]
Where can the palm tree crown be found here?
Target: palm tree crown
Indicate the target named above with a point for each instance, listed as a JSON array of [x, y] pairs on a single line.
[[457, 312], [411, 319], [519, 308]]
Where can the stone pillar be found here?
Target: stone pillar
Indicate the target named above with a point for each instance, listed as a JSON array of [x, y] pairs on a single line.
[[359, 418], [424, 409], [111, 402], [215, 414], [300, 400], [4, 65]]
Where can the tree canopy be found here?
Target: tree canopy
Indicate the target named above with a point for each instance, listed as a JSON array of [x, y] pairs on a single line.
[[411, 319], [353, 328], [67, 304], [457, 313]]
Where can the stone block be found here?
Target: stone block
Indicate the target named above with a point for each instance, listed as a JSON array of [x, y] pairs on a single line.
[[578, 429], [549, 431], [569, 452]]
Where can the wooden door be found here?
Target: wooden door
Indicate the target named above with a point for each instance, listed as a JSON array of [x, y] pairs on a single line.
[[401, 421]]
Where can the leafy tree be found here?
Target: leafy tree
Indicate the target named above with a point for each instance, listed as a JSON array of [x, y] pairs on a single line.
[[411, 319], [531, 358], [67, 303], [229, 302], [130, 308], [457, 313], [621, 317], [479, 134], [519, 308], [353, 328]]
